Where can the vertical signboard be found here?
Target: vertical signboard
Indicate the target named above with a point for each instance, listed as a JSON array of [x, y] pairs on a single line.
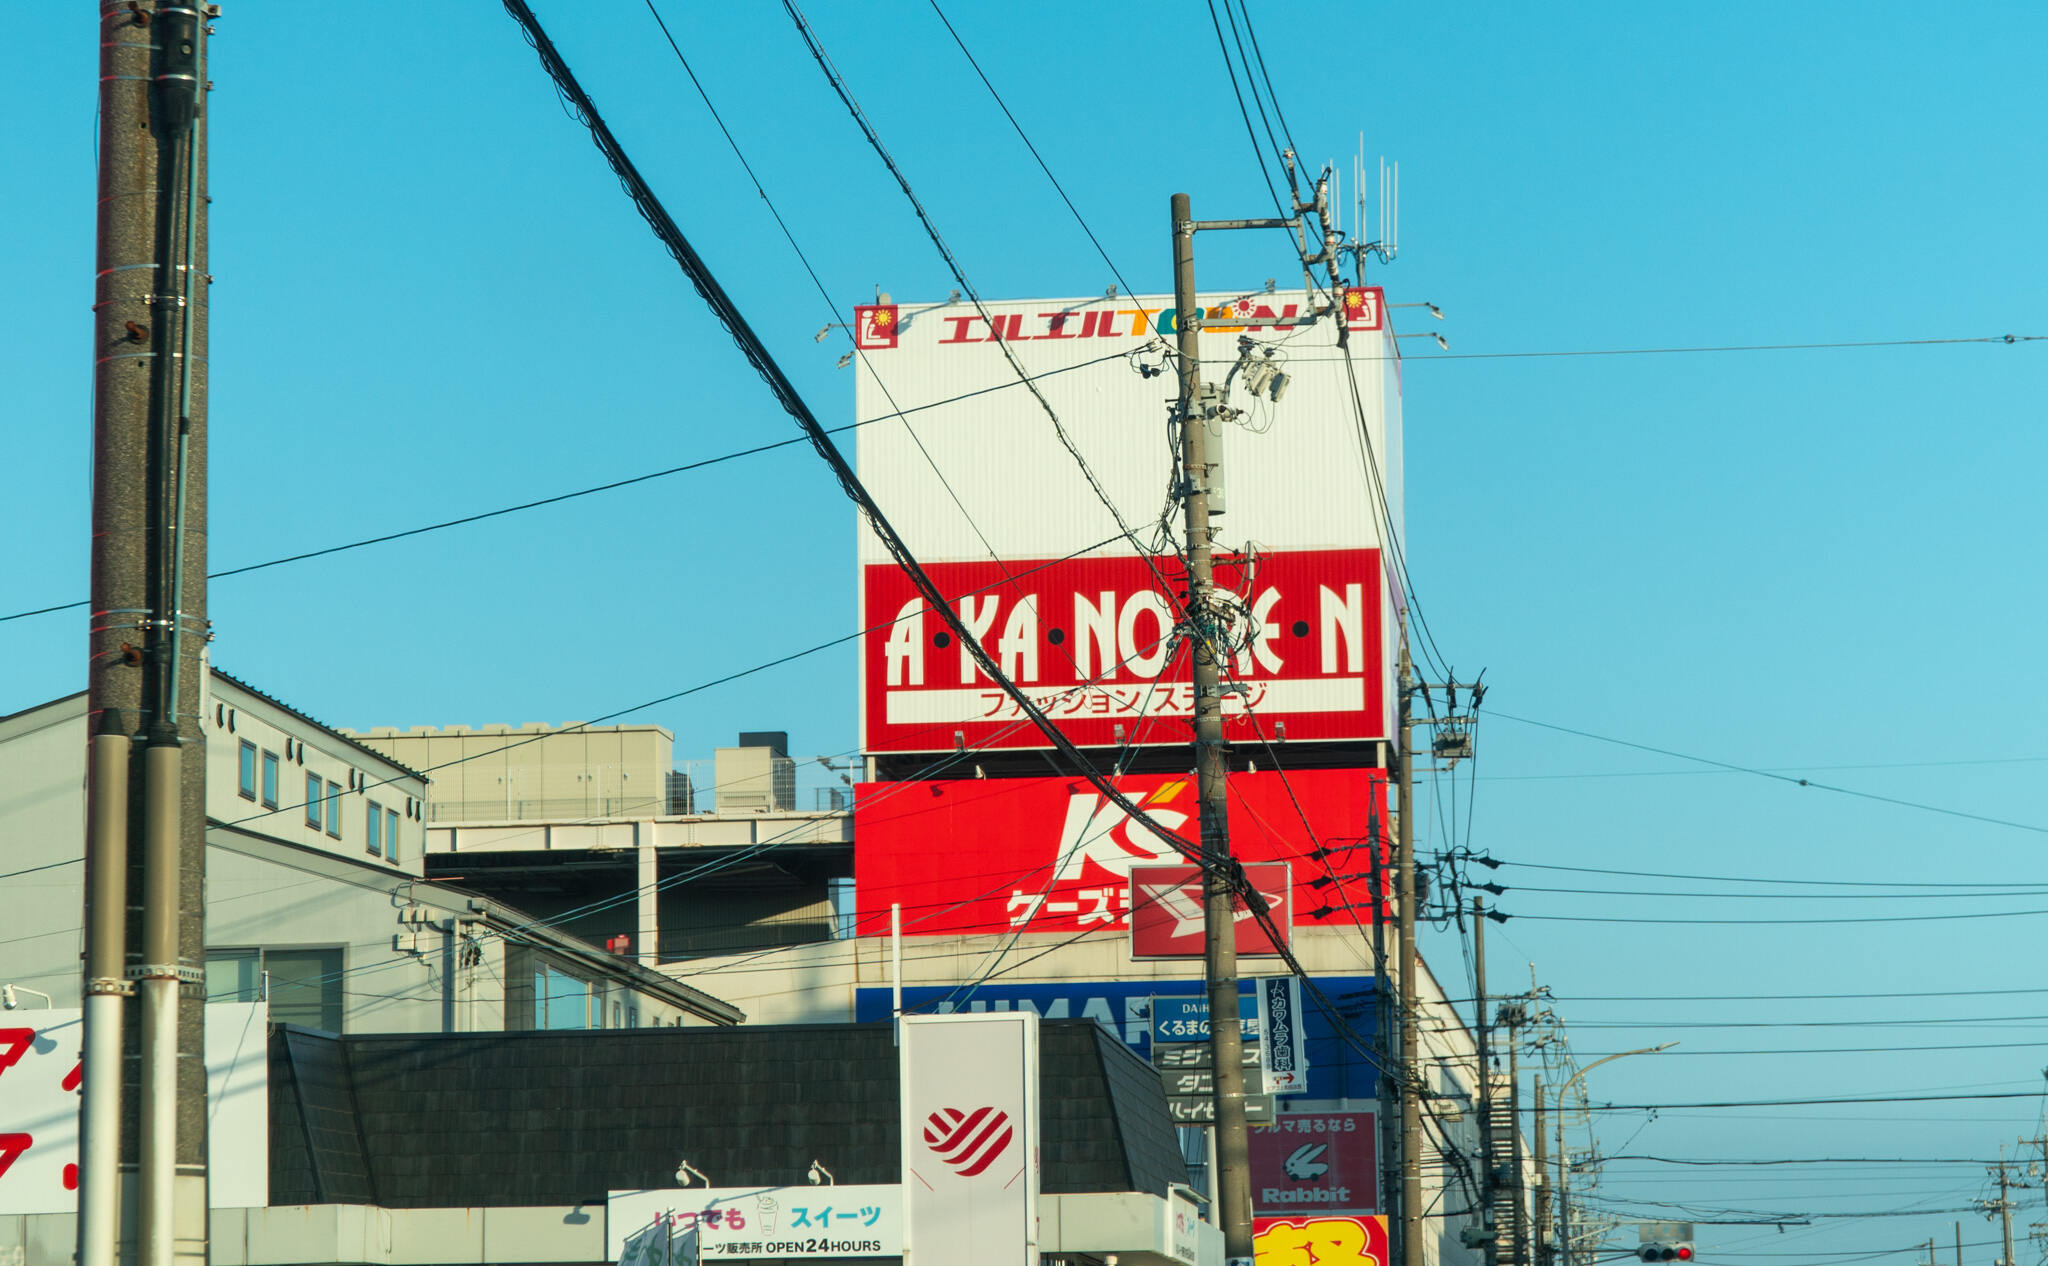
[[970, 1139], [1283, 1056]]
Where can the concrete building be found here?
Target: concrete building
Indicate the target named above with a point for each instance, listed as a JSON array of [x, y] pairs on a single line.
[[596, 829], [318, 897]]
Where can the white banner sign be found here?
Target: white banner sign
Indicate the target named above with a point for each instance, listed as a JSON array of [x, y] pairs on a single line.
[[1283, 1055], [970, 1139], [851, 1221], [40, 1076]]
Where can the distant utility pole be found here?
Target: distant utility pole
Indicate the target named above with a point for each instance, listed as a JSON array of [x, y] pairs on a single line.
[[145, 856], [1541, 1221], [1409, 1078], [1489, 1223]]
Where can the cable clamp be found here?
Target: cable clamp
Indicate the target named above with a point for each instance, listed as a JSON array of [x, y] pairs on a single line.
[[109, 985], [167, 971]]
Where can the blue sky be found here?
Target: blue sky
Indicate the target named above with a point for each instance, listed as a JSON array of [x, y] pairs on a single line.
[[432, 300]]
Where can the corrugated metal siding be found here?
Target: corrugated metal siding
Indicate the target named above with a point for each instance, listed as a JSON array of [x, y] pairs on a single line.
[[1301, 484]]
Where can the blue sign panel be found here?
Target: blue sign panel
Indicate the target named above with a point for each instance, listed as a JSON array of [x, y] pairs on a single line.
[[1186, 1019], [1337, 1068]]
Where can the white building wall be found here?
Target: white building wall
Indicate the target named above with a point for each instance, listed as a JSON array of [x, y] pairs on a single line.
[[415, 958]]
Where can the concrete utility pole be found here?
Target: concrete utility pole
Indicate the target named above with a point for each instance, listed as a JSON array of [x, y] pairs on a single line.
[[1541, 1220], [1488, 1220], [143, 1109], [1409, 1250], [1233, 1162]]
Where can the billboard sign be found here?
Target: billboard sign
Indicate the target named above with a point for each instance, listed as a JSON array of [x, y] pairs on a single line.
[[1316, 1162], [856, 1220], [1055, 855], [970, 1137], [41, 1072], [1338, 1069], [1293, 1241], [1092, 642], [1044, 569], [1283, 1056], [1169, 918], [1186, 1018]]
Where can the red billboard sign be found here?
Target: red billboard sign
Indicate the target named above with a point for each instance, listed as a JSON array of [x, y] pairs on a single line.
[[1092, 642], [1313, 1163], [1055, 855], [1169, 920], [1317, 1240]]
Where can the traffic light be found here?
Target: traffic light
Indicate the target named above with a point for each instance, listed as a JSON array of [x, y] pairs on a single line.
[[1665, 1251]]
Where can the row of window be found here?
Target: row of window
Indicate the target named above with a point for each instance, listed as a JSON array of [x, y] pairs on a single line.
[[565, 1001], [259, 776]]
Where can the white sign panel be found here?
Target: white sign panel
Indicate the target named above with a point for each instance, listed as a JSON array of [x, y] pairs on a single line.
[[1283, 1056], [970, 1139], [863, 1220], [40, 1076]]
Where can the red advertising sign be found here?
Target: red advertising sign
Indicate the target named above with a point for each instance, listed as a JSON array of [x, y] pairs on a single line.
[[1055, 855], [1313, 1163], [1316, 1240], [1168, 918], [1092, 641]]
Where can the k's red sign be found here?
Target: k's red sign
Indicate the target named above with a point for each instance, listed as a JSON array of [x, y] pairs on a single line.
[[1093, 642], [1055, 855], [1169, 917]]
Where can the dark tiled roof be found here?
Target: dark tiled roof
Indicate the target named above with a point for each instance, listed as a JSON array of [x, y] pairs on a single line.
[[448, 1120]]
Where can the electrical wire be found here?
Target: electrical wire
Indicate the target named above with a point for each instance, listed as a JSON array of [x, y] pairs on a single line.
[[1784, 778], [611, 486]]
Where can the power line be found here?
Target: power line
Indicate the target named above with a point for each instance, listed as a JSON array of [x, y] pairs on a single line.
[[1036, 156], [1759, 879], [867, 128], [611, 486], [1747, 347], [1784, 778]]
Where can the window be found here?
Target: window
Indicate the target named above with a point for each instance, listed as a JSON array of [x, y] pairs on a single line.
[[248, 783], [334, 809], [390, 835], [303, 985], [270, 780], [313, 801], [560, 1001], [374, 828], [234, 975]]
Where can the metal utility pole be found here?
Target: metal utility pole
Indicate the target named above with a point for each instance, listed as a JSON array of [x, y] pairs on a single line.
[[143, 1108], [1233, 1164], [1489, 1222], [1409, 1250], [1541, 1220]]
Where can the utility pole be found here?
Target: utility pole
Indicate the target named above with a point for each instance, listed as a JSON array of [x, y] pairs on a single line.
[[1489, 1222], [1219, 886], [1542, 1216], [143, 1102], [1409, 1251], [2003, 1206]]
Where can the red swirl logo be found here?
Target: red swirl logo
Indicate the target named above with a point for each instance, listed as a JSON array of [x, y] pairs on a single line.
[[969, 1142]]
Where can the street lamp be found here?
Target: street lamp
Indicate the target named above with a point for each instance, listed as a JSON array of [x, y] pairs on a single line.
[[1564, 1222]]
